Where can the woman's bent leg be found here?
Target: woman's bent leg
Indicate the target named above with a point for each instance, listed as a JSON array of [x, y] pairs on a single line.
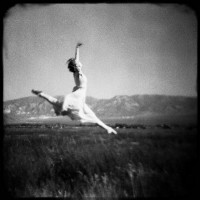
[[53, 101], [49, 98]]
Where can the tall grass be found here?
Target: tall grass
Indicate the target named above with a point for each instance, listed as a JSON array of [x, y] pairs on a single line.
[[86, 162]]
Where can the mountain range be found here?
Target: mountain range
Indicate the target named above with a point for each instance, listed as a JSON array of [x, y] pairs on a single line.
[[117, 107]]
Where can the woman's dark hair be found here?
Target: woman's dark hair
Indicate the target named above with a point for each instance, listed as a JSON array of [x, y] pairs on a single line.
[[71, 65]]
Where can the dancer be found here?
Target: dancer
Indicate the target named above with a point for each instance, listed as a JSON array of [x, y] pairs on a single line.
[[74, 104]]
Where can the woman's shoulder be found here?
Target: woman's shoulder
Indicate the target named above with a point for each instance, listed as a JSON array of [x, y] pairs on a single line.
[[79, 74]]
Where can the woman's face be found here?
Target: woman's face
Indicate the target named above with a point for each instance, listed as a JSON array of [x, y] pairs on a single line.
[[79, 65]]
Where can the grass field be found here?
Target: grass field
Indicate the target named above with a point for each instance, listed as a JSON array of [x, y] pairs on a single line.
[[84, 162]]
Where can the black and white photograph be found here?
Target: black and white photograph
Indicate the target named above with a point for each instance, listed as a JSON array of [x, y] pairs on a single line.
[[100, 100]]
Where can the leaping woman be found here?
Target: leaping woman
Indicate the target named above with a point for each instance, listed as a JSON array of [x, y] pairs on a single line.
[[74, 104]]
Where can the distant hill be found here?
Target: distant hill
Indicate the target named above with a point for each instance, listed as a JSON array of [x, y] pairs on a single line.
[[117, 107]]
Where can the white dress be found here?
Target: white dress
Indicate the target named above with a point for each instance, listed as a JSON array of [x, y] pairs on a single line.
[[74, 103]]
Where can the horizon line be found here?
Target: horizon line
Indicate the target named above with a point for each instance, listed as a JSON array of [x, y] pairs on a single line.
[[144, 94]]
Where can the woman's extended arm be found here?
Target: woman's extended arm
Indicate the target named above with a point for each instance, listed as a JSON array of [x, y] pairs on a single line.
[[77, 52]]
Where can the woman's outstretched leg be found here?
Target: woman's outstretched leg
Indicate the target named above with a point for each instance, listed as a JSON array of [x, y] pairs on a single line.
[[97, 121], [90, 117]]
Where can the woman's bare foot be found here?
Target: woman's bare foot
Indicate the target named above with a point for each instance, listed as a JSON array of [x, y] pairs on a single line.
[[110, 130], [36, 92]]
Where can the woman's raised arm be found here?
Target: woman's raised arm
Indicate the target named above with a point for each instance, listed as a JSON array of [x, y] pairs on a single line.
[[77, 52]]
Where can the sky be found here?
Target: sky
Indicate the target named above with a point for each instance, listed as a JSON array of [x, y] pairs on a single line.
[[128, 49]]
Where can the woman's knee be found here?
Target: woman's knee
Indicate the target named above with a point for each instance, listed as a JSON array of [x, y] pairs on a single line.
[[88, 121]]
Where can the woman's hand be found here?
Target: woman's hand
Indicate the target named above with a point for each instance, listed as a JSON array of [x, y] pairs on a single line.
[[79, 44]]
